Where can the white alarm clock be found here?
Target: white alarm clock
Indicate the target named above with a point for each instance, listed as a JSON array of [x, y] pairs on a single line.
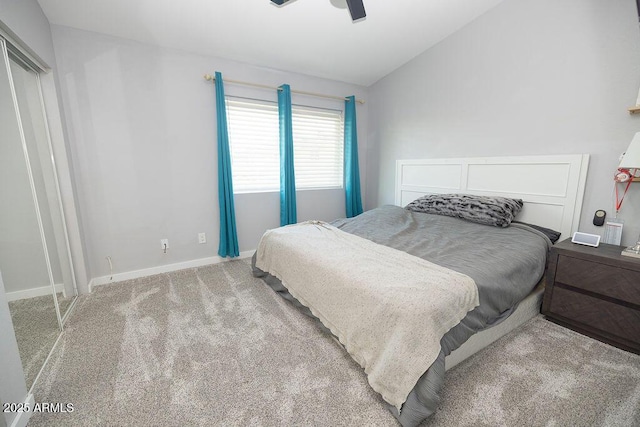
[[586, 239]]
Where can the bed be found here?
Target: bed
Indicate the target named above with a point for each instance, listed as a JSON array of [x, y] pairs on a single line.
[[506, 265]]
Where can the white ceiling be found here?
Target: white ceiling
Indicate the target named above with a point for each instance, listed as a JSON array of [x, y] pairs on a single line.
[[305, 36]]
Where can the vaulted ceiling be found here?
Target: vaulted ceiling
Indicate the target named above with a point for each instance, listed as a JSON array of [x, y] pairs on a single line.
[[314, 37]]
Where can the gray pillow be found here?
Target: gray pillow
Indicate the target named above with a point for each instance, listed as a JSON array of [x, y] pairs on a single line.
[[553, 235], [496, 211]]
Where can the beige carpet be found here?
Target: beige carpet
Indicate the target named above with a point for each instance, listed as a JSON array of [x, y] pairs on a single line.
[[35, 324], [64, 303], [213, 346], [543, 375]]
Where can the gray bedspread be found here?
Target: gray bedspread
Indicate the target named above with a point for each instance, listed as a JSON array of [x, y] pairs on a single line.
[[505, 263]]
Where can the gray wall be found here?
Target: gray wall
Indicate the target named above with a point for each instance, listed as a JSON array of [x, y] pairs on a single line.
[[142, 128], [26, 20], [528, 77]]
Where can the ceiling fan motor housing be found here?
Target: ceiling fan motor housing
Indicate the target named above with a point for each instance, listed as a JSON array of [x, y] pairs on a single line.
[[356, 8]]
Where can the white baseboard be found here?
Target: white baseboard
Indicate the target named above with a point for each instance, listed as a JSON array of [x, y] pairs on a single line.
[[119, 277], [23, 418], [34, 292]]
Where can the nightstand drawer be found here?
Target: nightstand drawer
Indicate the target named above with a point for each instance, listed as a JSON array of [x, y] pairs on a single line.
[[614, 319], [615, 282]]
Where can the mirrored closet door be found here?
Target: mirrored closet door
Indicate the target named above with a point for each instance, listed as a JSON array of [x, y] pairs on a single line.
[[35, 259]]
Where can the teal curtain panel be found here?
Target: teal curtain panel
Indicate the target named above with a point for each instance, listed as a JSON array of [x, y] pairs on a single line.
[[288, 213], [228, 235], [351, 169]]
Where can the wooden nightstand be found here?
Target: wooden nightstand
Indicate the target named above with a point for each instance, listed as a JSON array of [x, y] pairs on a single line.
[[595, 291]]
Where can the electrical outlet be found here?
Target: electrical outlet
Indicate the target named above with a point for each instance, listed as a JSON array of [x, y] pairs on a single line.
[[202, 238], [164, 245]]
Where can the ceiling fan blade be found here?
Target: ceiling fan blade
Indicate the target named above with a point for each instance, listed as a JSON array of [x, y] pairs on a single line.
[[356, 8], [279, 2]]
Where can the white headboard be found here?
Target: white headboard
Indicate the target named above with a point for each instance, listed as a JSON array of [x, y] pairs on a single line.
[[551, 187]]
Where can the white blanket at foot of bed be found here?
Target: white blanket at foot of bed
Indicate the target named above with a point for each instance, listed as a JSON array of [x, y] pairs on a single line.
[[388, 308]]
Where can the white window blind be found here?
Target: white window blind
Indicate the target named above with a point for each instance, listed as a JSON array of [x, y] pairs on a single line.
[[254, 138], [317, 147]]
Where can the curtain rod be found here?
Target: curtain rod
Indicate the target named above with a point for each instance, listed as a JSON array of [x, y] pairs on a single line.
[[301, 92]]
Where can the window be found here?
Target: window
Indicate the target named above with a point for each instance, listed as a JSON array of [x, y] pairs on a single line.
[[254, 136]]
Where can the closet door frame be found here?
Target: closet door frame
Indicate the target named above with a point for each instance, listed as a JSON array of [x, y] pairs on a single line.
[[6, 49], [65, 232]]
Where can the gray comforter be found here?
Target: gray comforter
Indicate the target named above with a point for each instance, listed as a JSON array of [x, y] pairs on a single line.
[[505, 263]]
